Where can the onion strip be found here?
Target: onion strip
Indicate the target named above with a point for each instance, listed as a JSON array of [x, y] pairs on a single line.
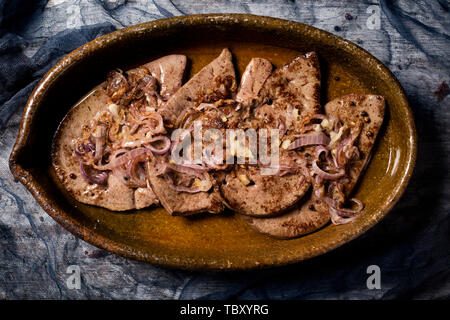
[[316, 138]]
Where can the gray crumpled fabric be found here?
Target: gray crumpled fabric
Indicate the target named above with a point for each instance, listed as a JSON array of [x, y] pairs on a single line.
[[411, 246]]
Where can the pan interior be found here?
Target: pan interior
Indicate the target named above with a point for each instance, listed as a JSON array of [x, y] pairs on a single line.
[[222, 235]]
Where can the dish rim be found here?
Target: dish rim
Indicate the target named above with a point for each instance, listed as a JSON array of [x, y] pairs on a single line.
[[72, 225]]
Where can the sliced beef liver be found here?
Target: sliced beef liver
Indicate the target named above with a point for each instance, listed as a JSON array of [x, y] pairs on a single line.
[[310, 216], [253, 78], [169, 70], [313, 214], [264, 195], [178, 202], [181, 106], [367, 110], [186, 98], [115, 195], [182, 203], [294, 85], [145, 197]]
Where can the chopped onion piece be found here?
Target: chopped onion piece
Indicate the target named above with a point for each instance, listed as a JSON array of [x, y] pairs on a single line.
[[244, 179], [114, 109], [286, 144]]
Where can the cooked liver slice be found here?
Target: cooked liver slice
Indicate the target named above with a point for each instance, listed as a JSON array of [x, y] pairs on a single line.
[[296, 84], [304, 220], [169, 70], [183, 203], [253, 78], [115, 195], [350, 108], [185, 98], [309, 217], [265, 195], [145, 197]]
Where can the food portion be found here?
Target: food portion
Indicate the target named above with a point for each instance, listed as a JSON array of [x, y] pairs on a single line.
[[287, 95], [186, 189], [212, 83], [253, 78], [266, 149], [353, 123], [101, 146], [308, 217]]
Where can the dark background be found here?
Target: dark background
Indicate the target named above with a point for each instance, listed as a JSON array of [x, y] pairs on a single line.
[[411, 245]]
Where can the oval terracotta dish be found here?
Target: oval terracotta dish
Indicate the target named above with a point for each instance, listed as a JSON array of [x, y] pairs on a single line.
[[221, 241]]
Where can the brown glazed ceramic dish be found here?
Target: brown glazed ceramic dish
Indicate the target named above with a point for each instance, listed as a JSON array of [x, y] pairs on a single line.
[[223, 242]]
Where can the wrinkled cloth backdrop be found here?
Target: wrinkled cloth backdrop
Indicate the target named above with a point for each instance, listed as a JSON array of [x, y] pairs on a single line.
[[411, 245]]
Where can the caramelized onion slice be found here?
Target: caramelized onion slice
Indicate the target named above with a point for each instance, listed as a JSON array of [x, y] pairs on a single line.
[[93, 175], [166, 144], [308, 139], [202, 182], [133, 166], [326, 175], [341, 215]]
